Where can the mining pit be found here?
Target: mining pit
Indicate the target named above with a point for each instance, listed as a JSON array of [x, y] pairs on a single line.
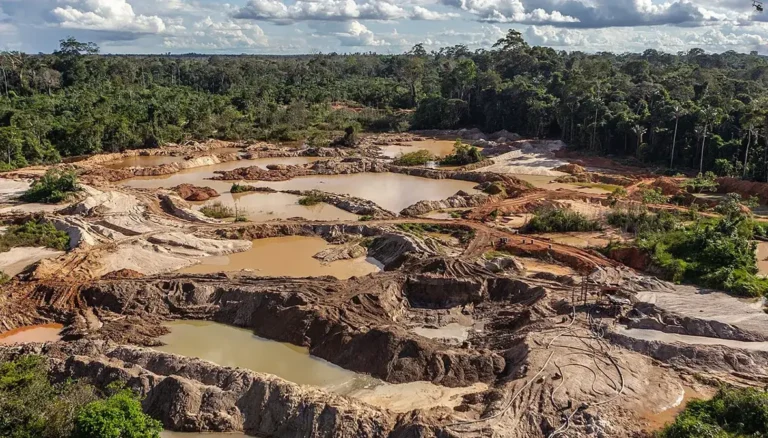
[[404, 304]]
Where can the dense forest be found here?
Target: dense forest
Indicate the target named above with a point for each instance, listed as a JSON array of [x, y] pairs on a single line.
[[691, 110]]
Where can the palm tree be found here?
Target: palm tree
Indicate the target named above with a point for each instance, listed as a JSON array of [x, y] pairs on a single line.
[[677, 113], [701, 132], [750, 131]]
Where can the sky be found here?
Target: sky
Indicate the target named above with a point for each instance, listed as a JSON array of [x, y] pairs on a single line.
[[383, 26]]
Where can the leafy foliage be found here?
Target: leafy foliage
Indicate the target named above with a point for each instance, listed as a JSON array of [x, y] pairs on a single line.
[[642, 221], [463, 154], [313, 198], [653, 196], [718, 254], [557, 220], [416, 158], [34, 233], [54, 187], [702, 183], [731, 413], [32, 407]]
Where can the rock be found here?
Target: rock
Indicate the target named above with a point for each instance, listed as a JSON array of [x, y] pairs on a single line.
[[459, 200], [348, 203], [571, 169], [179, 208], [189, 192]]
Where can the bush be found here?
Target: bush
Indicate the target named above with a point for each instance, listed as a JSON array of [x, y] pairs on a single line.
[[653, 196], [4, 278], [642, 221], [702, 183], [54, 187], [462, 155], [34, 233], [732, 412], [119, 416], [217, 210], [560, 221], [30, 406], [313, 198], [718, 254], [417, 158], [240, 188]]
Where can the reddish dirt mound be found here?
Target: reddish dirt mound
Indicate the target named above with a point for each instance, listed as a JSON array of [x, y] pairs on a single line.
[[669, 186], [190, 192], [631, 256], [746, 189]]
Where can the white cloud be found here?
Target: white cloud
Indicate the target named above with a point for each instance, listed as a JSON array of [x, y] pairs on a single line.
[[106, 15], [349, 33], [334, 10]]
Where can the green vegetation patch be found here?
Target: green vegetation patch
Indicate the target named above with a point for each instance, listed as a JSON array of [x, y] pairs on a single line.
[[731, 413], [4, 278], [313, 198], [495, 254], [30, 406], [642, 221], [240, 188], [416, 158], [217, 210], [34, 233], [54, 187], [462, 155], [557, 220]]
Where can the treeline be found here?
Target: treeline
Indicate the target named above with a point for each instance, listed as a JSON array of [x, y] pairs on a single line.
[[687, 110]]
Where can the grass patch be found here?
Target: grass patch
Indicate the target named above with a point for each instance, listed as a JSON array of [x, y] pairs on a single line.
[[602, 186], [366, 218], [732, 412], [4, 278], [556, 220], [217, 210], [313, 198], [240, 188], [34, 233], [417, 158], [53, 187]]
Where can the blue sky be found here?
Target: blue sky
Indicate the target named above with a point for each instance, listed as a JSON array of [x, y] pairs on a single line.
[[385, 26]]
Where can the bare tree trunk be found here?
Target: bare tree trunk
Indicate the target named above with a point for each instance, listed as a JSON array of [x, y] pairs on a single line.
[[703, 141], [746, 153], [674, 141]]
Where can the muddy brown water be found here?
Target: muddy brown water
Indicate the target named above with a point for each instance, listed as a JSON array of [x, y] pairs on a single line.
[[656, 419], [392, 191], [439, 148], [236, 347], [34, 333], [548, 182], [231, 346], [286, 256]]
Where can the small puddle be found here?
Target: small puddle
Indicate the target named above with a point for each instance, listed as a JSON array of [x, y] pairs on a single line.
[[33, 333], [453, 330], [290, 256], [236, 347], [657, 419], [762, 258], [438, 148], [655, 335]]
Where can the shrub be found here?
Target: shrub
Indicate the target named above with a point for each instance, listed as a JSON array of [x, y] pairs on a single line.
[[119, 416], [217, 210], [313, 198], [702, 183], [653, 196], [34, 233], [416, 158], [53, 187], [463, 154], [365, 218], [240, 188], [554, 220], [732, 412], [4, 278], [642, 221]]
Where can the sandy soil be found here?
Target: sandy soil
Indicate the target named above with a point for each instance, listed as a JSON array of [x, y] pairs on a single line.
[[17, 259], [406, 397]]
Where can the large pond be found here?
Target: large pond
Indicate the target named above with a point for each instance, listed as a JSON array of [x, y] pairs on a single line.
[[235, 347], [286, 256], [390, 190]]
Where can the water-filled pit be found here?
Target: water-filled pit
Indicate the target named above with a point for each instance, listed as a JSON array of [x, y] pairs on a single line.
[[34, 333], [286, 256]]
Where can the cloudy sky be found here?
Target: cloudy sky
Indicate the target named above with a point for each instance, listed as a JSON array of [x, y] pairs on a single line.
[[385, 26]]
